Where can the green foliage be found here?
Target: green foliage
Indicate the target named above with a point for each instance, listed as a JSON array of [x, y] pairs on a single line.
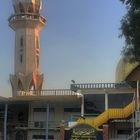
[[130, 29]]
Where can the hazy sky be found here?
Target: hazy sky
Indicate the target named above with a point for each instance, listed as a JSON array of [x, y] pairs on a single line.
[[79, 42]]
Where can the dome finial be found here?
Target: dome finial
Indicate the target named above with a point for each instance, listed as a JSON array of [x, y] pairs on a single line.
[[27, 6]]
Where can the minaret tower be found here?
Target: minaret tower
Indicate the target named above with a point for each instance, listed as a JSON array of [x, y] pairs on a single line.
[[27, 23]]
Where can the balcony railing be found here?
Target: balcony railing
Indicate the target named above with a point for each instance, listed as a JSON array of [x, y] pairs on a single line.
[[75, 87], [27, 16], [57, 92], [37, 125]]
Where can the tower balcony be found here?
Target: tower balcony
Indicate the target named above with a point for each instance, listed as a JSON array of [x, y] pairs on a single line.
[[26, 17]]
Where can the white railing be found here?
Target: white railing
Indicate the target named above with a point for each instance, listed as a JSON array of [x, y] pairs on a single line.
[[25, 16], [100, 86], [57, 92]]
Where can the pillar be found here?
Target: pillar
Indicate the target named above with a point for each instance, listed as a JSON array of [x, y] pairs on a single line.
[[106, 101], [62, 132], [47, 122], [105, 132]]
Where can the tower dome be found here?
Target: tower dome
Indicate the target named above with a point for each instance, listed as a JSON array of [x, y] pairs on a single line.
[[27, 6]]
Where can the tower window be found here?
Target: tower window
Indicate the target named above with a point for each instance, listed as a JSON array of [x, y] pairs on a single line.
[[21, 58], [21, 41]]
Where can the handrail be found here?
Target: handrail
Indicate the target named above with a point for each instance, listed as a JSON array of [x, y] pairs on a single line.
[[36, 124], [100, 86], [56, 92], [134, 136]]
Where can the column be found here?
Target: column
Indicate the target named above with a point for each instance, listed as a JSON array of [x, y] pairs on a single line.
[[47, 122], [62, 131], [105, 132], [82, 106], [106, 101]]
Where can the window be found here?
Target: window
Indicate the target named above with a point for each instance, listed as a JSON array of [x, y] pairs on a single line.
[[42, 137], [21, 41], [124, 132], [42, 109], [39, 124], [72, 110]]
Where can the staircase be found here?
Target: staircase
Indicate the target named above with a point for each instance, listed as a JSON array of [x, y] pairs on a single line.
[[135, 136]]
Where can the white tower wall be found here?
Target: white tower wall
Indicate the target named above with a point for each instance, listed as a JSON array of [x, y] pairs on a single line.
[[27, 24]]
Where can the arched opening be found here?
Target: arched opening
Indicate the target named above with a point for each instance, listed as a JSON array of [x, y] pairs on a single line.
[[21, 8], [20, 86], [30, 8], [32, 88]]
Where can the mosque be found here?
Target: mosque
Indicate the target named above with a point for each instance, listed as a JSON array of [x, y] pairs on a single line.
[[86, 111]]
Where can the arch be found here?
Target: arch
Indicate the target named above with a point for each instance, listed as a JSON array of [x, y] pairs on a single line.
[[32, 85], [20, 86], [21, 8], [30, 8]]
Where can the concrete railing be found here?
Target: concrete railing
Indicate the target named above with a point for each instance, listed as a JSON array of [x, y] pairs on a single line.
[[27, 16], [38, 125], [100, 86], [57, 92]]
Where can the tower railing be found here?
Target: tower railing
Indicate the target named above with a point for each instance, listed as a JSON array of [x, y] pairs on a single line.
[[28, 16]]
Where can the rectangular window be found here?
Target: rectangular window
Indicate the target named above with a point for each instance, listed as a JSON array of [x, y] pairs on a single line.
[[124, 132], [40, 124], [72, 110], [21, 41], [42, 137], [42, 109]]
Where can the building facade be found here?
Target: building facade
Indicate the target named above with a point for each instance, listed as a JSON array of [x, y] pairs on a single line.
[[94, 111]]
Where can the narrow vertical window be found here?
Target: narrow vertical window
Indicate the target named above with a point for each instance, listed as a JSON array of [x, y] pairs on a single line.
[[21, 41]]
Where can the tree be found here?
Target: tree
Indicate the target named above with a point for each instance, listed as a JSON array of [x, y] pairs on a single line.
[[130, 29]]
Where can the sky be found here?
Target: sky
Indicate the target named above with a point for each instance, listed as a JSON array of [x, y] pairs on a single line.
[[79, 42]]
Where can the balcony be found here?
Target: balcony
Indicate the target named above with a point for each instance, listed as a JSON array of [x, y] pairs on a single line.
[[26, 16]]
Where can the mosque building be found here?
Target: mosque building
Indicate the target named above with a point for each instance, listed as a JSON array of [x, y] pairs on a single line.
[[86, 111]]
